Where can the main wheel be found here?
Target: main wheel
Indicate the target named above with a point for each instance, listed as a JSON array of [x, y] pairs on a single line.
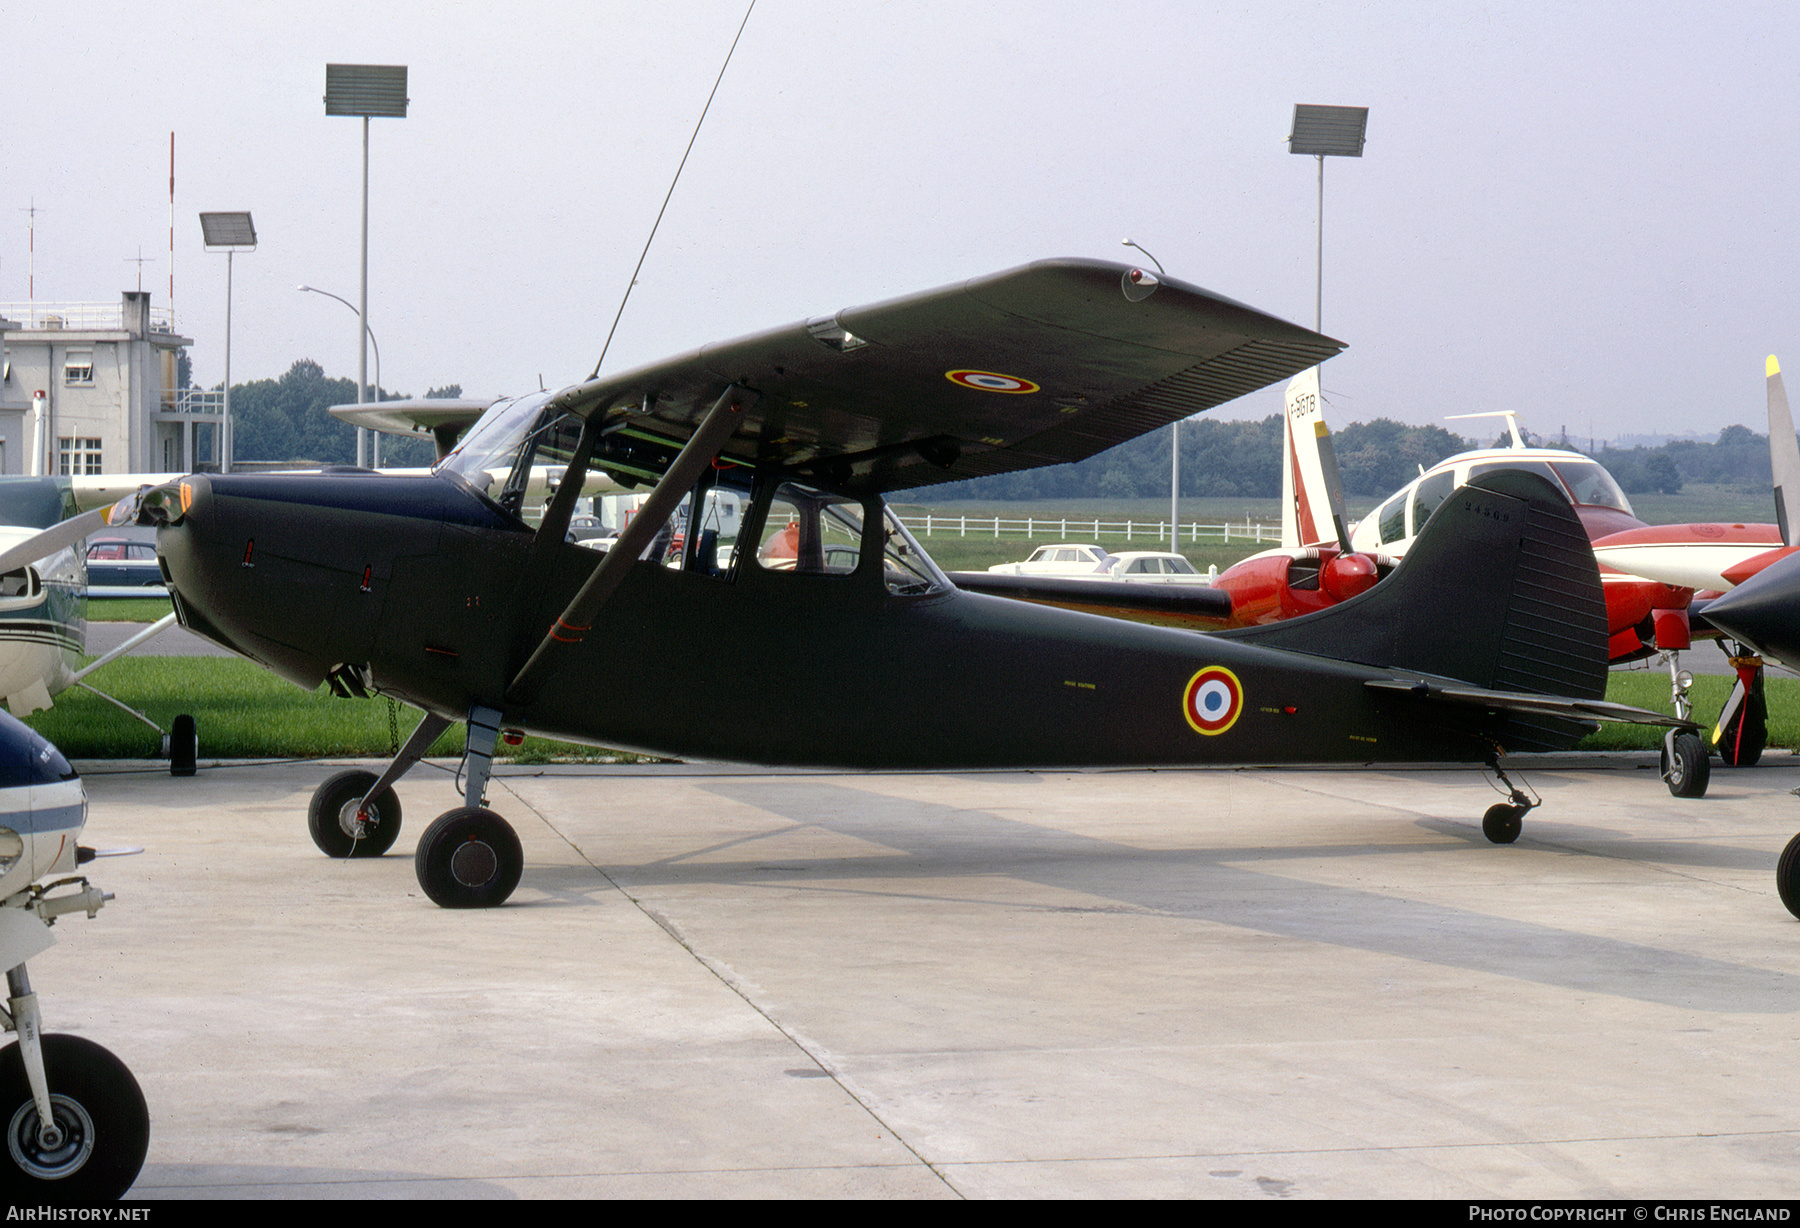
[[184, 747], [1745, 735], [1787, 876], [103, 1126], [1503, 823], [469, 859], [331, 818], [1688, 769]]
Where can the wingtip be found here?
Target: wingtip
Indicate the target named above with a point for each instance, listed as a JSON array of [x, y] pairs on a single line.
[[1771, 368]]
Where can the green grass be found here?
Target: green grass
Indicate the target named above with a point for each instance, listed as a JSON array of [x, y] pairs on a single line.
[[1650, 689], [244, 712], [127, 609]]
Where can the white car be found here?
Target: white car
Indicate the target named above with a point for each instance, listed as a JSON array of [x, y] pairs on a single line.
[[1156, 567], [1059, 560]]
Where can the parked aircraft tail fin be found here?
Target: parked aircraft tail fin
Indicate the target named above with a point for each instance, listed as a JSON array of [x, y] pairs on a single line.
[[1499, 591], [1312, 495], [1784, 456]]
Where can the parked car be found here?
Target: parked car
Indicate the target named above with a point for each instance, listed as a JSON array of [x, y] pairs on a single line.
[[584, 528], [122, 562], [1156, 567], [1059, 560]]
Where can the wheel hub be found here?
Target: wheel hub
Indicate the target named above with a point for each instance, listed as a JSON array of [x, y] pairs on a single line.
[[54, 1153], [474, 863], [354, 820]]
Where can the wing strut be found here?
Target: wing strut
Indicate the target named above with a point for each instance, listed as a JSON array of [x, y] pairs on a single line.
[[701, 450]]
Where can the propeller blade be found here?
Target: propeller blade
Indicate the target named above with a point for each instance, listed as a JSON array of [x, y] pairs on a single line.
[[56, 537], [66, 533]]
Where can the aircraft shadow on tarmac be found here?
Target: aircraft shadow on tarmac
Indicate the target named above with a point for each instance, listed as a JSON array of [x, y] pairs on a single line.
[[948, 841]]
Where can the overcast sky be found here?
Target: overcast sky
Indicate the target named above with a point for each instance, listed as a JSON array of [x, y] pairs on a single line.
[[1585, 212]]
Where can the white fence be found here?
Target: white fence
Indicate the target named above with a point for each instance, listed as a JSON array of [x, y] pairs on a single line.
[[1063, 528]]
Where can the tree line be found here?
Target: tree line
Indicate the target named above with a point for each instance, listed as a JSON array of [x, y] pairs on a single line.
[[1224, 459], [285, 420]]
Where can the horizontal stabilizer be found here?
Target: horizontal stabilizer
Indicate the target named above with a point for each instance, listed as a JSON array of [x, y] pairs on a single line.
[[1535, 705]]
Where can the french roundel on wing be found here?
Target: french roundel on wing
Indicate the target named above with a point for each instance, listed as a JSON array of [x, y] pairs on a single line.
[[1213, 700], [990, 381]]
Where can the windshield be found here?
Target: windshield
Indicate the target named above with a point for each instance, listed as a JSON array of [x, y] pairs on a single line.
[[1586, 482], [486, 455]]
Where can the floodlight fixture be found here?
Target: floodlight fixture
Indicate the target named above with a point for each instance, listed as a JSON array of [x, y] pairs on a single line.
[[223, 230], [230, 233], [369, 91], [1326, 132], [377, 90]]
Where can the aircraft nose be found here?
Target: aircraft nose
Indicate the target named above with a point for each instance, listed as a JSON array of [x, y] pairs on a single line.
[[1764, 611]]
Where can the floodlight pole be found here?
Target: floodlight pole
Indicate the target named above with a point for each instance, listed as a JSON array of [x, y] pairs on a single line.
[[1319, 256], [1321, 132], [230, 231], [365, 90]]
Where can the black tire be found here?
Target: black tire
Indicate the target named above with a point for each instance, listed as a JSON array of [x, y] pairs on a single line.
[[184, 747], [101, 1109], [1746, 734], [1503, 823], [1787, 876], [332, 804], [1689, 769], [469, 859]]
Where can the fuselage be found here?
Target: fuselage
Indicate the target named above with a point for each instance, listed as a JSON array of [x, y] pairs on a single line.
[[43, 625], [422, 588]]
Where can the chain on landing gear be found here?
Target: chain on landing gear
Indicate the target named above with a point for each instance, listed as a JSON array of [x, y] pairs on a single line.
[[1505, 820]]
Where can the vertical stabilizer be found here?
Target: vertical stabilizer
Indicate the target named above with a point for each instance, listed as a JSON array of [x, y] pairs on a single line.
[[1784, 455], [1312, 496]]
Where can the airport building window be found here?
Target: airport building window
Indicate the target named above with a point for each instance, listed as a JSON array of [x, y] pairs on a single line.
[[78, 368], [78, 457]]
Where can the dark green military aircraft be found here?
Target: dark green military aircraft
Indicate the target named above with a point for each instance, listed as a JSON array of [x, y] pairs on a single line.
[[823, 635]]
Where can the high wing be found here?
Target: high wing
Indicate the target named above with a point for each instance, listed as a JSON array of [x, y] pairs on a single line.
[[443, 418], [1040, 365]]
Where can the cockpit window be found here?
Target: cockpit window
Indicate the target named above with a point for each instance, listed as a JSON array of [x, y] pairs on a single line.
[[1590, 483], [1427, 495], [486, 456], [1583, 481]]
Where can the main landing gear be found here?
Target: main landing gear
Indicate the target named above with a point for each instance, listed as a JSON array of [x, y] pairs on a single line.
[[1743, 729], [468, 857], [75, 1122], [1685, 765]]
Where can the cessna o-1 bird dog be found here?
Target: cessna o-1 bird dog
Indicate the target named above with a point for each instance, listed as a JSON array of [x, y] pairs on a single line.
[[825, 635]]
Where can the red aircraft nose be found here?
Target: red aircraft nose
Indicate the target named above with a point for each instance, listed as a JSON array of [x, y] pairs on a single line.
[[1347, 575]]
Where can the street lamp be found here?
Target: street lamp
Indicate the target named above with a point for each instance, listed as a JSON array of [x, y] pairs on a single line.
[[375, 460], [229, 233], [366, 90], [1326, 132]]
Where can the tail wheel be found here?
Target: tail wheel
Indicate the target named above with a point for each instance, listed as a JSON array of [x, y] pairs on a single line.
[[102, 1127], [333, 815], [469, 858], [1503, 823]]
